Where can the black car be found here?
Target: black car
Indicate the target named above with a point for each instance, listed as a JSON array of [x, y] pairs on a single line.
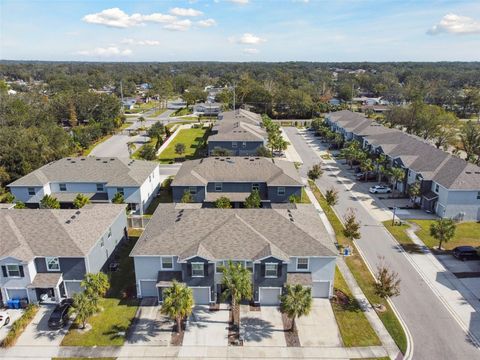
[[465, 253], [59, 316]]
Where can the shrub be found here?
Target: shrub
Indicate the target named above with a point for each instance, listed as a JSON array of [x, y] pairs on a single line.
[[19, 326], [148, 152]]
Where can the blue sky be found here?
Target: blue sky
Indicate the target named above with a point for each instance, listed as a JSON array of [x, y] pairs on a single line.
[[240, 30]]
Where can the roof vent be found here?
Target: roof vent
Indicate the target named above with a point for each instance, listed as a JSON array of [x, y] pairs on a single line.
[[222, 159], [68, 222], [477, 172], [73, 217], [246, 158], [73, 161], [252, 159], [77, 212], [98, 159], [111, 159], [82, 159], [105, 162], [69, 159], [468, 172]]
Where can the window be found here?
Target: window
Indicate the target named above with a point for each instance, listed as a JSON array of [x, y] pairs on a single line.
[[271, 270], [100, 187], [109, 233], [234, 144], [13, 271], [218, 186], [249, 265], [53, 264], [255, 186], [478, 195], [281, 191], [167, 263], [302, 263], [218, 267], [31, 191], [197, 270], [244, 144], [63, 187], [121, 191], [193, 190], [437, 187]]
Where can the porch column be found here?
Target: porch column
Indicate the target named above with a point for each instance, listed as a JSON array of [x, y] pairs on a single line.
[[56, 291]]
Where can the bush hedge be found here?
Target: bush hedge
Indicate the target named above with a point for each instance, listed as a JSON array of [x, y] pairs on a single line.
[[19, 326]]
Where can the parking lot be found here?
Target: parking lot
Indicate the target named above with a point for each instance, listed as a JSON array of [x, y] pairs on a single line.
[[14, 315], [38, 332], [207, 328]]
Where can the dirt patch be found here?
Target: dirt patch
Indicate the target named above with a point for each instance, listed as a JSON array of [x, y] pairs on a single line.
[[233, 328], [341, 298], [291, 336], [177, 338]]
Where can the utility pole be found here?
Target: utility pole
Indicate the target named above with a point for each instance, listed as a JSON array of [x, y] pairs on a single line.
[[234, 85], [121, 90]]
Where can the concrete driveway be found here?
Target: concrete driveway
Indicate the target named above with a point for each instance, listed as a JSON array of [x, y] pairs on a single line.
[[262, 328], [207, 328], [150, 327], [319, 328], [38, 333], [14, 315]]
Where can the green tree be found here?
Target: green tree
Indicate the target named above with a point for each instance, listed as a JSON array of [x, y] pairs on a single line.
[[221, 152], [296, 302], [156, 131], [237, 281], [253, 200], [177, 303], [315, 172], [96, 286], [20, 205], [396, 174], [187, 197], [380, 163], [148, 152], [118, 198], [414, 191], [263, 151], [83, 308], [387, 283], [49, 202], [8, 198], [470, 139], [367, 166], [180, 148], [131, 147], [80, 201], [331, 196], [351, 228], [223, 202], [442, 230]]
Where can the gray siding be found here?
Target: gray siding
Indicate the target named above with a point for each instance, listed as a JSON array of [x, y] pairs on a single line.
[[259, 279], [245, 187], [250, 147], [71, 268], [289, 190], [177, 192], [209, 272]]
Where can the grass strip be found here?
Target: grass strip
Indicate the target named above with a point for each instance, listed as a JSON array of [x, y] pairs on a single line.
[[19, 326]]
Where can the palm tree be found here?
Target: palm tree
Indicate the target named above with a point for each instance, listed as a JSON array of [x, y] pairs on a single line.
[[177, 303], [396, 174], [296, 302], [96, 286], [131, 147], [237, 281], [380, 162], [442, 230], [414, 191], [366, 166], [82, 307]]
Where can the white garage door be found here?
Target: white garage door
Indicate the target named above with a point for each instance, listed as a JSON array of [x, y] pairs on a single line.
[[201, 295], [270, 296], [148, 288], [321, 289], [17, 293]]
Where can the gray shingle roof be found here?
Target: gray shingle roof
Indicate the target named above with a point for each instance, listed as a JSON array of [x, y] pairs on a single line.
[[274, 172], [112, 171], [241, 126], [415, 153], [27, 233], [234, 233]]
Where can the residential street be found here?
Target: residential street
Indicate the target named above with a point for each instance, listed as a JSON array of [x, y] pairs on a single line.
[[436, 334]]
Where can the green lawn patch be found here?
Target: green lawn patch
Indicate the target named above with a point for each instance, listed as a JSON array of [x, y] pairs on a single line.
[[352, 322], [157, 113], [467, 233], [108, 326], [181, 112], [361, 273], [194, 140], [18, 327]]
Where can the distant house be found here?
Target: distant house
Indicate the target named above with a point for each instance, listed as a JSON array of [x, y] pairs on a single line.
[[176, 105], [278, 246], [129, 103], [334, 102], [235, 177], [239, 132], [450, 186], [46, 253], [96, 177], [207, 109]]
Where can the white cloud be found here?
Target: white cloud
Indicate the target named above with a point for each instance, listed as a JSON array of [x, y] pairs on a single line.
[[116, 17], [140, 42], [105, 52], [206, 23], [248, 38], [301, 1], [251, 51], [181, 25], [240, 2], [456, 24], [185, 12]]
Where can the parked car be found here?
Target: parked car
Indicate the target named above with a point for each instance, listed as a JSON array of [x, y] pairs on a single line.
[[4, 318], [370, 176], [465, 253], [380, 189], [59, 316]]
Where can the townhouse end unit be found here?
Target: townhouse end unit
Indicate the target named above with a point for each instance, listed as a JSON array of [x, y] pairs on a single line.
[[235, 178], [450, 186], [45, 254], [278, 246], [237, 132], [98, 178]]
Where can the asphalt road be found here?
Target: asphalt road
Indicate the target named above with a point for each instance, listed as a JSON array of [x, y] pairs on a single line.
[[436, 334]]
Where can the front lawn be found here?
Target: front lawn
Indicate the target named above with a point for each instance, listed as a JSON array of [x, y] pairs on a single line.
[[467, 233], [181, 112], [352, 322], [194, 140], [108, 326], [157, 113]]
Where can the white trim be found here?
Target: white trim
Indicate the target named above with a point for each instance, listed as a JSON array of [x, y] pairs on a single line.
[[203, 269], [270, 288], [329, 286], [308, 264], [209, 288], [19, 272], [161, 263], [271, 277], [47, 258], [139, 290], [15, 288]]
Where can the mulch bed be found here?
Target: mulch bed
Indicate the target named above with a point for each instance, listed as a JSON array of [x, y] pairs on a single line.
[[291, 337], [177, 338], [340, 298], [233, 329], [255, 306]]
